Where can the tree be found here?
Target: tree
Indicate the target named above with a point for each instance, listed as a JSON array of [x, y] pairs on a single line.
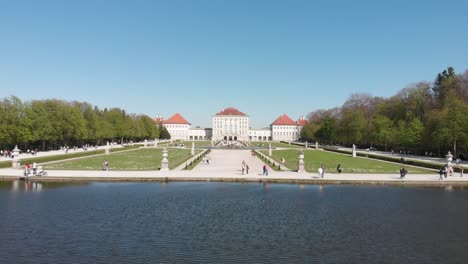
[[164, 134], [327, 131]]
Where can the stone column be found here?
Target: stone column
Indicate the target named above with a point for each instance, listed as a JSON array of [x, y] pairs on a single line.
[[354, 151], [192, 152], [316, 145], [305, 146], [155, 143], [107, 148], [301, 163], [270, 152], [165, 161], [16, 163], [146, 143]]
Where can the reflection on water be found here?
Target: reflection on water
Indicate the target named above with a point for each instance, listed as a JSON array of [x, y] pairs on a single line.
[[26, 186], [32, 186], [230, 223]]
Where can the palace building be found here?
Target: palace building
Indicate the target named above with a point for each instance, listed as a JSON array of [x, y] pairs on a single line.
[[232, 125]]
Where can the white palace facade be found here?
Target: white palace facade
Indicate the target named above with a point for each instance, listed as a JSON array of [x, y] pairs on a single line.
[[232, 124]]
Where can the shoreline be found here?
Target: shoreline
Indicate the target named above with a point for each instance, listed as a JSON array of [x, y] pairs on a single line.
[[265, 179]]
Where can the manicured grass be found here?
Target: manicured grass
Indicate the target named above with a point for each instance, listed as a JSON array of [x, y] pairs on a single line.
[[141, 159], [70, 155], [273, 145], [314, 158]]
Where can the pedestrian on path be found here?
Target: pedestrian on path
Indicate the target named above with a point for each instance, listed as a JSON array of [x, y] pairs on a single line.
[[461, 171], [321, 171], [403, 172], [441, 173], [265, 170], [106, 165], [243, 168], [247, 168], [34, 167], [338, 168]]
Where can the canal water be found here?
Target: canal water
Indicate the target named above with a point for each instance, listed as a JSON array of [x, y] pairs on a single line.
[[230, 223]]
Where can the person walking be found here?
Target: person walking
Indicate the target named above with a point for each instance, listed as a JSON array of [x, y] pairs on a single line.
[[338, 168], [247, 168], [243, 168], [266, 169], [441, 173], [403, 172], [320, 171], [34, 167], [106, 165], [461, 171]]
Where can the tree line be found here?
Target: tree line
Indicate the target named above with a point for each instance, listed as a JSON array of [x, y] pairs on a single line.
[[51, 123], [422, 117]]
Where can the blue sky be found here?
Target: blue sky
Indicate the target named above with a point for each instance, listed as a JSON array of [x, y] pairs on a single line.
[[197, 57]]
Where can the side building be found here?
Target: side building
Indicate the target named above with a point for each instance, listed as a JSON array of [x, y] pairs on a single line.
[[180, 129], [286, 129]]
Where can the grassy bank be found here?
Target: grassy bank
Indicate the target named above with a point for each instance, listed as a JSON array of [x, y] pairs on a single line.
[[141, 159], [313, 159]]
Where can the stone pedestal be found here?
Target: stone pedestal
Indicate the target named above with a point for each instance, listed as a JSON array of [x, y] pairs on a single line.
[[316, 145], [165, 161], [301, 163], [354, 151], [155, 143], [16, 163], [270, 152], [449, 158], [146, 143], [192, 152], [107, 148], [306, 145]]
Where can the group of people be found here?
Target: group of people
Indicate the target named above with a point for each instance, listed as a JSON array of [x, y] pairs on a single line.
[[9, 154], [446, 170], [28, 167]]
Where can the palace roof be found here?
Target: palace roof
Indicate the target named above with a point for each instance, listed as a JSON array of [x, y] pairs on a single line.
[[231, 111], [284, 120], [176, 119], [302, 121]]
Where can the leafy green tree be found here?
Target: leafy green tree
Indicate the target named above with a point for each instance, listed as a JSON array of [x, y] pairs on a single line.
[[164, 134], [381, 128], [327, 131]]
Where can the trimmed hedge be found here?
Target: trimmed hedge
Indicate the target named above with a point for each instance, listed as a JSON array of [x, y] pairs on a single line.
[[194, 163], [406, 161], [7, 164]]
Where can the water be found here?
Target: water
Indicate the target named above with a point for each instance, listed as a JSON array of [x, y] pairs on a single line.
[[230, 223]]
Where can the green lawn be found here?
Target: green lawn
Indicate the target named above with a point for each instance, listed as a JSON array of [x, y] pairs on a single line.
[[141, 159], [273, 145], [314, 158]]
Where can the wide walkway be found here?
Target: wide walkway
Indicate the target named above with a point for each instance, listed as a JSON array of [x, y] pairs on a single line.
[[230, 162]]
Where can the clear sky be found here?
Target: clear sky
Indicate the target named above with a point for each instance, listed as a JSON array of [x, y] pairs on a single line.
[[197, 57]]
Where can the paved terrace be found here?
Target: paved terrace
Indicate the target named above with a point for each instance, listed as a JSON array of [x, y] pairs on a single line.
[[226, 166]]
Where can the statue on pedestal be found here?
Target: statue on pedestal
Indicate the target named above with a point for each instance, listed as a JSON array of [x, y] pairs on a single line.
[[301, 163], [165, 161]]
